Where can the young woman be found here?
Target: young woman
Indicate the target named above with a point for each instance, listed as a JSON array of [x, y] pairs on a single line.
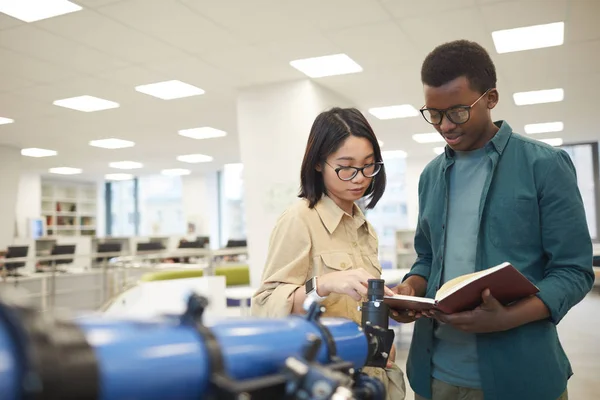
[[323, 243]]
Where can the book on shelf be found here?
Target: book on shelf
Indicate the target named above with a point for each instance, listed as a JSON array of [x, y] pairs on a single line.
[[463, 293]]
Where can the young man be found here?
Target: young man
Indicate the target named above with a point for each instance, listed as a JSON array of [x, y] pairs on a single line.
[[492, 196]]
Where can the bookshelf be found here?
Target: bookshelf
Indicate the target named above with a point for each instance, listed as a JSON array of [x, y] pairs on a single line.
[[405, 251], [69, 208]]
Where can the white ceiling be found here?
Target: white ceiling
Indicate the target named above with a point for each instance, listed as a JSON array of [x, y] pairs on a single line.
[[111, 46]]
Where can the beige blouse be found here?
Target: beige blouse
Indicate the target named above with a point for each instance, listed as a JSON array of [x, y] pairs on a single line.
[[312, 242]]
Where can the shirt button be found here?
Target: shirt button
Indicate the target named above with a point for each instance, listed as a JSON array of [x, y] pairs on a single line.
[[343, 265], [355, 244]]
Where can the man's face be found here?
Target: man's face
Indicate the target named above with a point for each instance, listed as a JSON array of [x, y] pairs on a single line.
[[456, 97]]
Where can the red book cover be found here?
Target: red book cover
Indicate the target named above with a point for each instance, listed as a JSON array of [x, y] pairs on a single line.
[[505, 282]]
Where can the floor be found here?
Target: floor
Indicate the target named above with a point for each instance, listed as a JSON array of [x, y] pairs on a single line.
[[579, 333]]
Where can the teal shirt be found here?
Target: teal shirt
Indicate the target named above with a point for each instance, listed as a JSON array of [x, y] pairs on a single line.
[[531, 214], [454, 355]]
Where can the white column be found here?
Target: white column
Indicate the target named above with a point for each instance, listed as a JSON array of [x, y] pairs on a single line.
[[273, 126], [10, 174], [200, 205], [29, 202]]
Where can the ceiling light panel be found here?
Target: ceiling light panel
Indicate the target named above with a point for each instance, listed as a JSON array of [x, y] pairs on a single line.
[[34, 152], [529, 37], [194, 158], [65, 171], [86, 103], [4, 121], [205, 132], [394, 112], [553, 142], [170, 90], [318, 67], [112, 143], [433, 137], [539, 97], [118, 177], [125, 165], [176, 172], [544, 127], [36, 10]]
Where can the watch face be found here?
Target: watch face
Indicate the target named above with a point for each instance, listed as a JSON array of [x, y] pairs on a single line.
[[310, 285]]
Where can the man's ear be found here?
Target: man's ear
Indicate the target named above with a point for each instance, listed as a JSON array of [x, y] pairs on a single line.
[[492, 98]]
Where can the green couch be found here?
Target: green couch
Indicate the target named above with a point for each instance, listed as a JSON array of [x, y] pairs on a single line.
[[235, 275]]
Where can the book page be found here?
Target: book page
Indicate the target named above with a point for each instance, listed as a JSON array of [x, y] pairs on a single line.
[[459, 282]]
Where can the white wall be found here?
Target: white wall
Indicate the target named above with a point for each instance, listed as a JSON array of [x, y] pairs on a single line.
[[200, 205], [10, 170], [29, 202]]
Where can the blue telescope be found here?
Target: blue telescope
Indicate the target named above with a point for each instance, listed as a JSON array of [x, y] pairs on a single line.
[[43, 356]]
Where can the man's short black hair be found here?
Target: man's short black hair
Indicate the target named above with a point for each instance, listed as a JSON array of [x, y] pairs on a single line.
[[328, 133], [459, 58]]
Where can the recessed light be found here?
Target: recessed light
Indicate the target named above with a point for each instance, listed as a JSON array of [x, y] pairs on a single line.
[[544, 127], [438, 150], [126, 165], [552, 142], [390, 154], [112, 143], [33, 152], [205, 132], [86, 103], [65, 171], [539, 96], [170, 90], [35, 10], [529, 37], [318, 67], [393, 112], [6, 121], [118, 177], [433, 137], [194, 158], [176, 172]]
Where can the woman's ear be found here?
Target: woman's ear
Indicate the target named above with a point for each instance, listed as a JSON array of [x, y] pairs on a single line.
[[319, 167]]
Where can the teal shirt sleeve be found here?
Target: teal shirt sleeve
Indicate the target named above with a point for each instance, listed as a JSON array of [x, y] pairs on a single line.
[[569, 275], [422, 266]]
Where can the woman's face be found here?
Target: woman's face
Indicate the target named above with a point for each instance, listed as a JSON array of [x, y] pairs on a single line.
[[354, 152]]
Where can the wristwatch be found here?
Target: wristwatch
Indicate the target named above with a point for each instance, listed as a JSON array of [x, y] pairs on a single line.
[[311, 290]]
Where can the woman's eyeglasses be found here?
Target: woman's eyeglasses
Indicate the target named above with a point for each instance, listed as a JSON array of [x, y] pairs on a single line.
[[458, 115], [349, 173]]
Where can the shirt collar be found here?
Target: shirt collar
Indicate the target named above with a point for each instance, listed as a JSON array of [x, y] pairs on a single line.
[[498, 142], [331, 215]]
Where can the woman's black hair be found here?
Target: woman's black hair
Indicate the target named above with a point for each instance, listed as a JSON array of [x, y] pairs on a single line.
[[329, 131]]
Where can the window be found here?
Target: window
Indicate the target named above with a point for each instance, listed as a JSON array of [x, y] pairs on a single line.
[[232, 221], [585, 159], [390, 214], [122, 218], [161, 205]]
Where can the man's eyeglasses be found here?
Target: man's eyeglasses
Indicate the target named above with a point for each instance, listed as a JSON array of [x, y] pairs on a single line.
[[349, 173], [457, 114]]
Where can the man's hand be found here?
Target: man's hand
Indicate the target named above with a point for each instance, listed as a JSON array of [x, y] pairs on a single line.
[[490, 316], [406, 316]]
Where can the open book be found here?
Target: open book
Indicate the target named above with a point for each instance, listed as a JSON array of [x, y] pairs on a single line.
[[463, 293]]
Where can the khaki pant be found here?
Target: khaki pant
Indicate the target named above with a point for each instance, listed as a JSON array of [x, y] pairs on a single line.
[[393, 380], [444, 391]]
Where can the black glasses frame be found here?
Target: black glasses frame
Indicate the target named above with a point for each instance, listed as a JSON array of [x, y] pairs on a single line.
[[444, 112], [357, 170]]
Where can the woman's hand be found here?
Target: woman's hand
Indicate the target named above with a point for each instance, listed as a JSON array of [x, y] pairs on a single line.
[[352, 282]]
